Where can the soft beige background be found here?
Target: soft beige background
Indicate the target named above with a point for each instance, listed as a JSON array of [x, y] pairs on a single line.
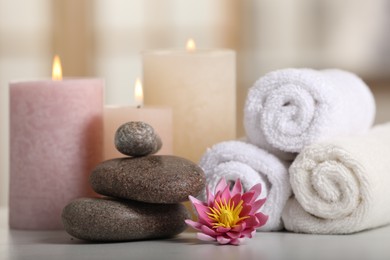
[[104, 38]]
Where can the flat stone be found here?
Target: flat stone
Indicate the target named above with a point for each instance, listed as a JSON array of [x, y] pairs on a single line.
[[137, 139], [110, 220], [154, 178]]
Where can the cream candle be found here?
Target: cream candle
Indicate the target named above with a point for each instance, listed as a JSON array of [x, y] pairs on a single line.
[[55, 142], [160, 118], [200, 86]]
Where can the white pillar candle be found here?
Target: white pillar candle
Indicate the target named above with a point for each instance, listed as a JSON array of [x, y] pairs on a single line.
[[200, 86]]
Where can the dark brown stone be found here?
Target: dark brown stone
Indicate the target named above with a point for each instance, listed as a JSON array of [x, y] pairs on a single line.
[[137, 139], [154, 178], [110, 220]]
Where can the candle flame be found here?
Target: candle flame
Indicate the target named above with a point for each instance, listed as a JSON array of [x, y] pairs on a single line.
[[191, 46], [138, 93], [57, 69]]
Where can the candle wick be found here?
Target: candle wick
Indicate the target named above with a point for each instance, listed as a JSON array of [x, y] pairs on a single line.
[[139, 106]]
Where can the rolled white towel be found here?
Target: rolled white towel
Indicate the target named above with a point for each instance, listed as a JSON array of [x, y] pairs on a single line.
[[288, 109], [341, 186], [235, 159]]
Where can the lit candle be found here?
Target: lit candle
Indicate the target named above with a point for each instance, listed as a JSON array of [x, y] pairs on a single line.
[[160, 118], [200, 86], [138, 93], [191, 46], [55, 142]]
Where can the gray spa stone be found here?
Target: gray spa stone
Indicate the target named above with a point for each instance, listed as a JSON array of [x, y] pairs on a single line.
[[154, 178], [137, 139], [110, 220]]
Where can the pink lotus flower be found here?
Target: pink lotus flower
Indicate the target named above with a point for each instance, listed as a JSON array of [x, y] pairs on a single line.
[[228, 217]]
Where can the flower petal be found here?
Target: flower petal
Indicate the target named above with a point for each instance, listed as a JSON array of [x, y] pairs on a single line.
[[248, 232], [236, 199], [233, 235], [236, 241], [256, 189], [237, 188], [252, 221], [210, 196], [221, 185], [205, 237], [246, 210], [247, 197], [223, 240], [253, 233], [239, 228], [223, 229], [257, 205], [196, 201], [261, 218], [225, 195], [204, 218], [202, 210], [193, 224], [208, 231]]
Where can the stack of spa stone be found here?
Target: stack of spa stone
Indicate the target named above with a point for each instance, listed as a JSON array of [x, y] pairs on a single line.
[[144, 192]]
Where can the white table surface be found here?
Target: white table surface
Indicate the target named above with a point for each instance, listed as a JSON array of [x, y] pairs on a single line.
[[57, 245]]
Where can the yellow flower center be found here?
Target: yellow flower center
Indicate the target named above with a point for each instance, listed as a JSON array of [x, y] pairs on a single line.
[[226, 214]]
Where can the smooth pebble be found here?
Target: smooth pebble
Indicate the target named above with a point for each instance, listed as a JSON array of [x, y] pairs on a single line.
[[137, 139], [110, 220], [154, 178]]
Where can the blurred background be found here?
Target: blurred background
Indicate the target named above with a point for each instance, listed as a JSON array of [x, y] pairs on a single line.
[[104, 38]]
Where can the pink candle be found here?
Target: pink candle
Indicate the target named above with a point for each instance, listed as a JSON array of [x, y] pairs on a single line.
[[55, 142]]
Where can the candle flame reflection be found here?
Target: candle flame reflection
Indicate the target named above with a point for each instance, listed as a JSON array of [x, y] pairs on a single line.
[[138, 93], [57, 69], [191, 46]]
